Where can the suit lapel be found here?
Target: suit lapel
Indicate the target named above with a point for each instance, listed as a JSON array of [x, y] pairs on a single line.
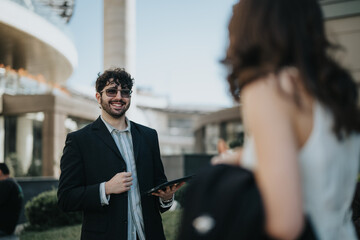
[[103, 133], [135, 135], [137, 139]]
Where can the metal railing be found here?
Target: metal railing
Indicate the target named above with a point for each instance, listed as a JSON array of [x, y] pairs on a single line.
[[45, 12]]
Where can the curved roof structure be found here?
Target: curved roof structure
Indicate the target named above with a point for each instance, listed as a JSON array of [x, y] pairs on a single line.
[[34, 42]]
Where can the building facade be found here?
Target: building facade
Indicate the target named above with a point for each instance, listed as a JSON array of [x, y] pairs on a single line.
[[37, 56], [175, 124]]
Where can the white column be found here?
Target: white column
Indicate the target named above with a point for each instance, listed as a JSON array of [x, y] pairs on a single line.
[[119, 34], [24, 142], [119, 43], [54, 135]]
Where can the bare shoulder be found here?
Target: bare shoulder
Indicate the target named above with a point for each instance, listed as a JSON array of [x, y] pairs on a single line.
[[269, 101], [280, 87], [264, 94]]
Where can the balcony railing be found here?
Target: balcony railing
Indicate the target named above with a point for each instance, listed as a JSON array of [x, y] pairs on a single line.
[[45, 12]]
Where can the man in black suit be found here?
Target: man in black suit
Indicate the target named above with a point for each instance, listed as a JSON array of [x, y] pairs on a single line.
[[108, 165]]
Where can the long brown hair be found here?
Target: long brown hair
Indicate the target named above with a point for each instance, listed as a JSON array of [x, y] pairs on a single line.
[[266, 36]]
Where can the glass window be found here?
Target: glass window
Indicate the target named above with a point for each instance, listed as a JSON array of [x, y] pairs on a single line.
[[180, 126]]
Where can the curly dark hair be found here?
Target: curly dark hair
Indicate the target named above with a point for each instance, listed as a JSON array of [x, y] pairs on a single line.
[[265, 36], [116, 75]]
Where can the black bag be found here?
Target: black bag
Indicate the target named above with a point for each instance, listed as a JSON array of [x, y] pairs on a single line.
[[223, 203]]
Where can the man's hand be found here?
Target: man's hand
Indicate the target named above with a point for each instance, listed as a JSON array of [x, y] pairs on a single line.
[[119, 183], [169, 192]]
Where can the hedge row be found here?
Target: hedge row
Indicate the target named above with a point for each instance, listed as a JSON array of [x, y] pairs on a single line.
[[42, 212]]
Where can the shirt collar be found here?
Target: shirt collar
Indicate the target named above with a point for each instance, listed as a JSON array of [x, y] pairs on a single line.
[[111, 128]]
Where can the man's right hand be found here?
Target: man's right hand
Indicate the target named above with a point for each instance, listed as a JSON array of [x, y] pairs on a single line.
[[119, 183]]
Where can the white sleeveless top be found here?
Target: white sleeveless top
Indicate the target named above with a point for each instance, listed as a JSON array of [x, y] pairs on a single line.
[[329, 170]]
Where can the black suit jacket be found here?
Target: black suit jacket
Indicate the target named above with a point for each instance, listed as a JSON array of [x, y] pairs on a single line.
[[91, 157]]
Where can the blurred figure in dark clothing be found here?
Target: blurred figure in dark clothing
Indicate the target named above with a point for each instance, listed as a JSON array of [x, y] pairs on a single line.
[[11, 198]]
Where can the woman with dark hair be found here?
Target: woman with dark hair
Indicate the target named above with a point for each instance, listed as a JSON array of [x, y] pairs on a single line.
[[301, 116]]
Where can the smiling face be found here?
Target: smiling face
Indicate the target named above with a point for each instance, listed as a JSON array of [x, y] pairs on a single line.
[[115, 107]]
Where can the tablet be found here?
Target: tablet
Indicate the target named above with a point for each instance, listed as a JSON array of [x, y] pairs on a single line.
[[169, 183]]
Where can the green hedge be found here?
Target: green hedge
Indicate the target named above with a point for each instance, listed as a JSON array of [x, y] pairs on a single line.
[[171, 221], [43, 212]]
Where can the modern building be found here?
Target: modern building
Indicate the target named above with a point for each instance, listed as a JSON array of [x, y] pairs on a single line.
[[175, 124], [225, 124], [342, 22], [37, 56]]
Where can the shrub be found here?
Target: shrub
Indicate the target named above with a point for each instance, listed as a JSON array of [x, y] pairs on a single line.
[[43, 212], [171, 221]]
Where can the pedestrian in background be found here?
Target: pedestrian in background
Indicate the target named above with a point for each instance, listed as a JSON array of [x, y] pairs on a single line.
[[11, 198]]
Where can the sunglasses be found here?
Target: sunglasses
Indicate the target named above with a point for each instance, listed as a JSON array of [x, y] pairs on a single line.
[[112, 92]]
